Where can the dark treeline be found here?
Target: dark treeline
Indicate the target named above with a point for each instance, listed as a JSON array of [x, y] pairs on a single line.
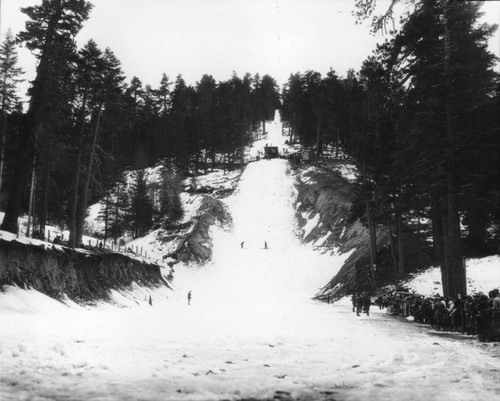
[[421, 121], [85, 125]]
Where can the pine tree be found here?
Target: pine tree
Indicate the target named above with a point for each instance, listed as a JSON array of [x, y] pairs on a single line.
[[205, 93], [163, 96], [9, 79], [170, 188], [113, 210], [51, 27], [267, 99], [89, 84], [140, 208]]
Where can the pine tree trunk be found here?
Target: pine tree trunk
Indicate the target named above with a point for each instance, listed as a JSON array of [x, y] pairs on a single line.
[[117, 215], [401, 254], [445, 272], [73, 243], [318, 138], [73, 217], [3, 135], [31, 205], [455, 268], [373, 239], [86, 184], [106, 218], [45, 199], [337, 143], [437, 229], [393, 244]]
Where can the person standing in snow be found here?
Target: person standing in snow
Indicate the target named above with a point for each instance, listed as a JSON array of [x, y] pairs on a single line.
[[359, 304], [354, 300], [440, 312], [366, 304], [265, 244], [483, 318], [242, 243], [189, 297]]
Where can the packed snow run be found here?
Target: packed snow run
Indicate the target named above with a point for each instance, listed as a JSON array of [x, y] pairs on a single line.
[[251, 329]]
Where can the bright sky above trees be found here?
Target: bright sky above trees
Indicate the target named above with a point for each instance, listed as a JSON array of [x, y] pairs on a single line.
[[217, 37]]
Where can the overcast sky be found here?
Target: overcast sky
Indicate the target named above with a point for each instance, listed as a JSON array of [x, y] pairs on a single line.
[[217, 37]]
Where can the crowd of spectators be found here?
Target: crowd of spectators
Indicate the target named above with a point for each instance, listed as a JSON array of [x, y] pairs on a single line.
[[477, 314]]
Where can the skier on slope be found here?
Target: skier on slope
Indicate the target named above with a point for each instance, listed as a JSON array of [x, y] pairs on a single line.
[[242, 243], [189, 297]]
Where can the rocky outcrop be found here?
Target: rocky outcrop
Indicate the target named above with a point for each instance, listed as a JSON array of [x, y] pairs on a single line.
[[193, 239], [83, 276], [326, 198]]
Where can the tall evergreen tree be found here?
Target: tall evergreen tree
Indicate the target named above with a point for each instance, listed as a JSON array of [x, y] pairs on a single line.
[[51, 26], [140, 209], [9, 79]]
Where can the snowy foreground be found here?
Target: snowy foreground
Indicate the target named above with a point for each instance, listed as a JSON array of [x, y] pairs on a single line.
[[251, 330]]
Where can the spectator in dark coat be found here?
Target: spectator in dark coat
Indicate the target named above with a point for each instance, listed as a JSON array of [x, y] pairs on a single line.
[[366, 304], [440, 312]]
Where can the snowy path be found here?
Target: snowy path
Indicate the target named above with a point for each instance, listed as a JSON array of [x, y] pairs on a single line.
[[251, 331]]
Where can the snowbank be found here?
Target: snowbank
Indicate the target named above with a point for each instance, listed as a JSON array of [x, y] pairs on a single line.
[[482, 275]]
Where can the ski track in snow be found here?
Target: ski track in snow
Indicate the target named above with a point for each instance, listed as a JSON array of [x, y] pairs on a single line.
[[251, 328]]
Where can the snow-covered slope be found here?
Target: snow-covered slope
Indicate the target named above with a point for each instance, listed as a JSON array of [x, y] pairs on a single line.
[[483, 275], [263, 213]]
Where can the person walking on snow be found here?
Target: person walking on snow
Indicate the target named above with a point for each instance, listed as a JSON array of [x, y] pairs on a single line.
[[242, 243], [265, 244], [189, 297]]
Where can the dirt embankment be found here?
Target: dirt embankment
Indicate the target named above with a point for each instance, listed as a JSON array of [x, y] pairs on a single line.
[[325, 198], [84, 276], [198, 244], [192, 241]]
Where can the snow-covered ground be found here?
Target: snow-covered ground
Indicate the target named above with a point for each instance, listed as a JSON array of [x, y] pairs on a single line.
[[483, 275], [251, 329]]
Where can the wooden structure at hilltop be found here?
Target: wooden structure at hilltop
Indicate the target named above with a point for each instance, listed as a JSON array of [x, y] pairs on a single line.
[[271, 152]]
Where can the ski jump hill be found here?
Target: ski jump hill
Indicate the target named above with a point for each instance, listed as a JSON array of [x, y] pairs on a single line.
[[252, 237]]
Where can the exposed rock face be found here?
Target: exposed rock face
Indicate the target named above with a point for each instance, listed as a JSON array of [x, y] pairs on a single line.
[[326, 198], [194, 242], [82, 276]]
